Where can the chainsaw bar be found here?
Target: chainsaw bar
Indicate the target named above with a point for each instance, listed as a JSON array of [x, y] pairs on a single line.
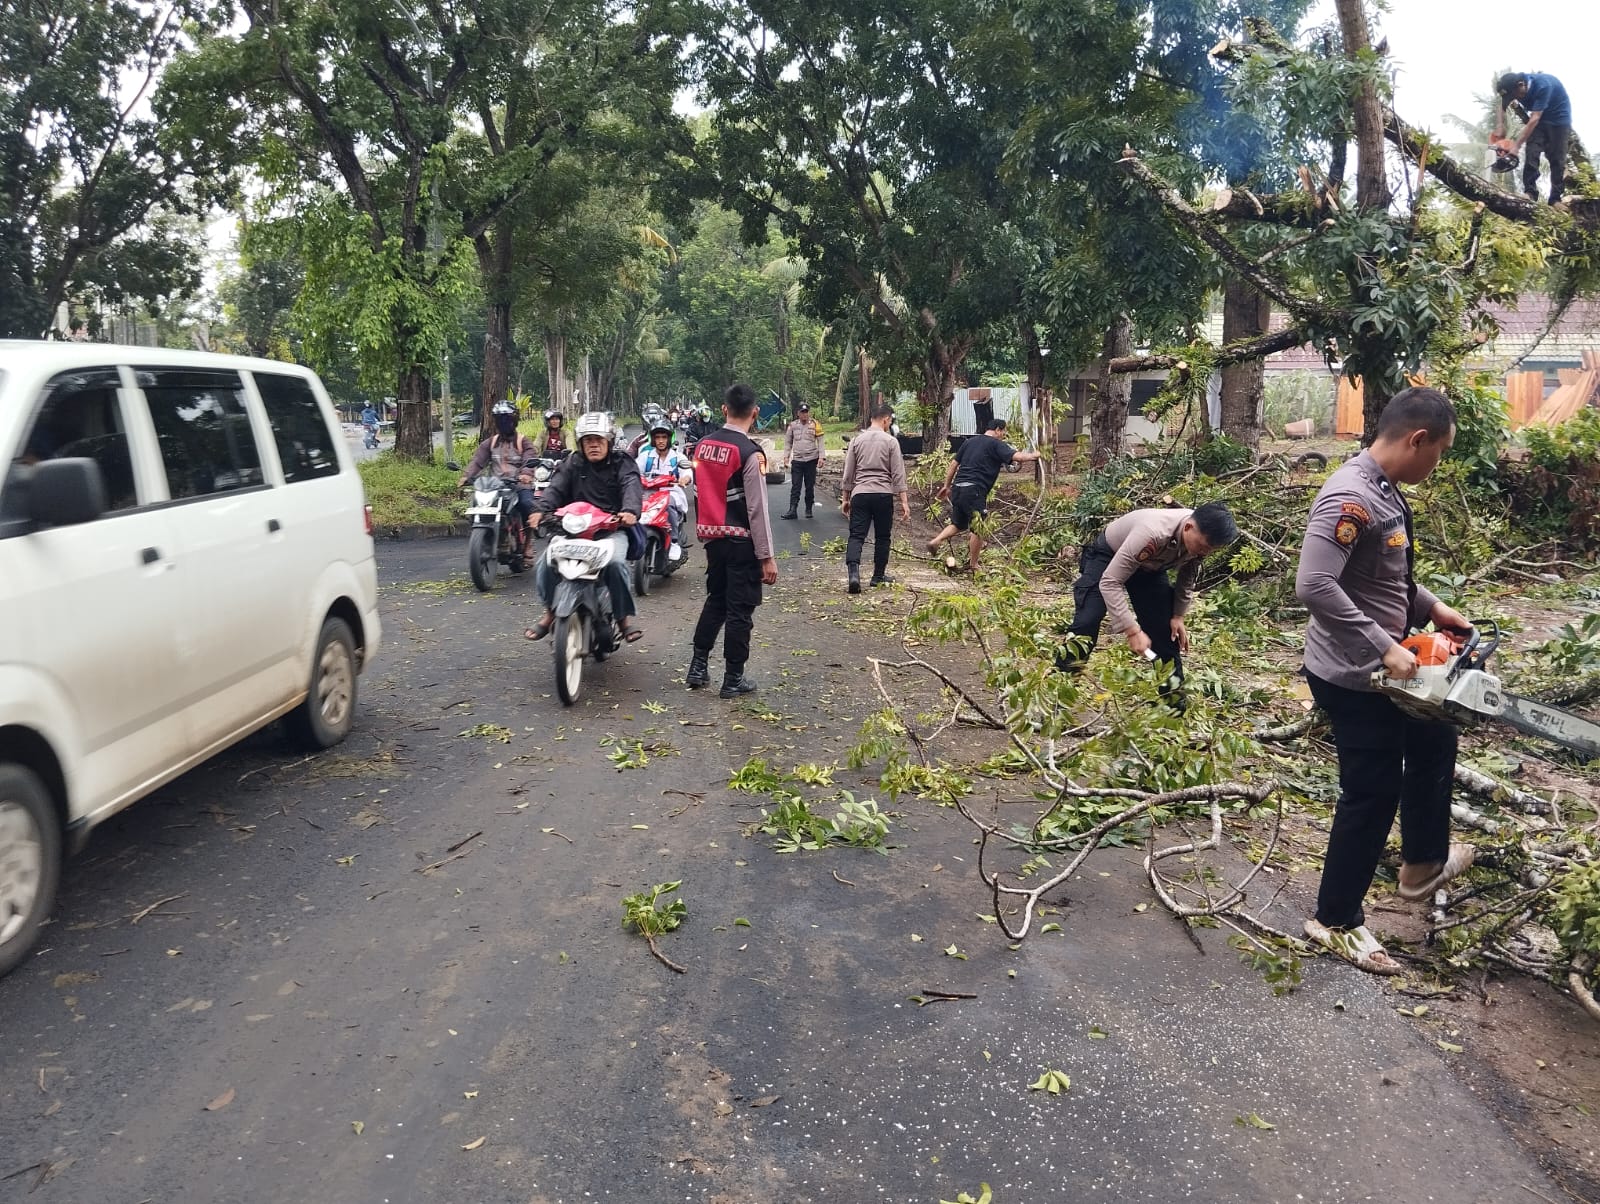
[[1549, 723]]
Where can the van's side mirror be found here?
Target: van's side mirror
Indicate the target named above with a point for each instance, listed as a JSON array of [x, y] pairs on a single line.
[[452, 466], [64, 492]]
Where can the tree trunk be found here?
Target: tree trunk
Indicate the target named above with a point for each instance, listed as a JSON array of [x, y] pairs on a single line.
[[413, 427], [1039, 399], [938, 391], [864, 399], [1373, 360], [1108, 417], [1245, 314], [844, 372], [494, 261], [555, 359]]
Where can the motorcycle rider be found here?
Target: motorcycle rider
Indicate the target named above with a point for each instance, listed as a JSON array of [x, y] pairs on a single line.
[[661, 459], [514, 456], [369, 424], [555, 437], [608, 480]]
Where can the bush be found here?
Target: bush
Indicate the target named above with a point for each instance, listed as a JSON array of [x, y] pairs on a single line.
[[1557, 490], [406, 493]]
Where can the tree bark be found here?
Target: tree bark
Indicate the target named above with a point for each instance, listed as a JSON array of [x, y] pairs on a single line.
[[1039, 399], [1372, 196], [938, 391], [494, 261], [560, 383], [1108, 418], [1245, 314], [413, 427], [864, 396]]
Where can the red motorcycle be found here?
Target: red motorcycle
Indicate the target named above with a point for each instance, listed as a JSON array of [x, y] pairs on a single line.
[[585, 625], [657, 559]]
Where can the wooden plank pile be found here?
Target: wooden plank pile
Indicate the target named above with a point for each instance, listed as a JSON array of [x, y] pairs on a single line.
[[1579, 387], [1524, 396]]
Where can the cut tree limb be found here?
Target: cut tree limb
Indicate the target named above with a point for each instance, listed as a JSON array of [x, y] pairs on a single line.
[[1501, 792], [1286, 339]]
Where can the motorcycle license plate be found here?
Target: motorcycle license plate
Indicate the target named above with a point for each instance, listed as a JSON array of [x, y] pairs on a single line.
[[490, 511], [575, 550]]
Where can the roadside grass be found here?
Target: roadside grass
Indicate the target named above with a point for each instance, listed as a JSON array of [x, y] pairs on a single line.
[[404, 493]]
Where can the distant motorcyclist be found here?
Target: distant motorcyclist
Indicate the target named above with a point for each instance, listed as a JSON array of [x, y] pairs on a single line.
[[608, 480], [660, 459], [369, 424], [554, 446], [514, 456]]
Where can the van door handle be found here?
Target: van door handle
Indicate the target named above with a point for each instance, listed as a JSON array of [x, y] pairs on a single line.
[[273, 526], [150, 555]]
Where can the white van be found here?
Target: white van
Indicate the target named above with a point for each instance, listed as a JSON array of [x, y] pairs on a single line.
[[185, 556]]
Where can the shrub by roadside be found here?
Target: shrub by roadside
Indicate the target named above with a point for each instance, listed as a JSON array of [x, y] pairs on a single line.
[[404, 493]]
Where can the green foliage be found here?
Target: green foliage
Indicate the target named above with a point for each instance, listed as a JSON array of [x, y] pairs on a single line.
[[1557, 491], [1575, 648], [405, 493], [1576, 914], [1482, 426], [650, 913], [1276, 962], [859, 824], [103, 148]]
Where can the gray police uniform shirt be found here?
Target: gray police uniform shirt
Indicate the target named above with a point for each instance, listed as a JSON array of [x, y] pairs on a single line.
[[1354, 575], [1147, 541]]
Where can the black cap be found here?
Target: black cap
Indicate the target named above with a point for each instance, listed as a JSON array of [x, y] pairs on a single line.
[[804, 408]]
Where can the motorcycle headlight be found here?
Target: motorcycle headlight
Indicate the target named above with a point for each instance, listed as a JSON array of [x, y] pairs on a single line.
[[541, 474], [574, 524]]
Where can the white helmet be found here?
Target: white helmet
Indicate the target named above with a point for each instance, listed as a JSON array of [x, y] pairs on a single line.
[[595, 423]]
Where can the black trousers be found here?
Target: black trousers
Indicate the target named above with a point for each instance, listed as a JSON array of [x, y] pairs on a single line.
[[874, 511], [1551, 141], [1388, 761], [733, 591], [1153, 598], [802, 472]]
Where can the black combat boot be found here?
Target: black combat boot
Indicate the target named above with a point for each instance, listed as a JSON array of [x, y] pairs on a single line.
[[876, 581], [808, 511], [854, 570], [789, 514], [735, 684], [699, 671]]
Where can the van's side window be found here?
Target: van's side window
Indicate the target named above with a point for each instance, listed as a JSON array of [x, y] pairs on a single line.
[[204, 430], [79, 416], [298, 427]]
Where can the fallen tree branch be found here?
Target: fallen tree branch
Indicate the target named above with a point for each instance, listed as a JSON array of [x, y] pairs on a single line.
[[1501, 792], [662, 957], [1239, 352], [1578, 981], [1256, 792]]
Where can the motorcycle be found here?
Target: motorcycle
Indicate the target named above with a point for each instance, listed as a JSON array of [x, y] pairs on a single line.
[[654, 562], [370, 435], [585, 625], [499, 535]]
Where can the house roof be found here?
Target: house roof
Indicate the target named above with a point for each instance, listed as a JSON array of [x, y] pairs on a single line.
[[1523, 337]]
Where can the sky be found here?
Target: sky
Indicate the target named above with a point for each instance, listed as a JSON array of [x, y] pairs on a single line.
[[1446, 51]]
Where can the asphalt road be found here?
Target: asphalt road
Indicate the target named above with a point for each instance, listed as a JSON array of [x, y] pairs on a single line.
[[328, 979]]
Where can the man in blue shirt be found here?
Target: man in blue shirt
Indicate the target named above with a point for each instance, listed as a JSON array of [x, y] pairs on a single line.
[[1544, 99]]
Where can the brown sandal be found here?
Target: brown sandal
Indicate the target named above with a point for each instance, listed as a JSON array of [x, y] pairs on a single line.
[[538, 631]]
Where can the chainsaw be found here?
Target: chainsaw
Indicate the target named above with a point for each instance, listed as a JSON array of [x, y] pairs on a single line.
[[1505, 155], [1452, 685]]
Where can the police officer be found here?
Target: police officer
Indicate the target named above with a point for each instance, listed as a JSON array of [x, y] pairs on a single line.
[[802, 454], [731, 521], [1123, 576], [1356, 579]]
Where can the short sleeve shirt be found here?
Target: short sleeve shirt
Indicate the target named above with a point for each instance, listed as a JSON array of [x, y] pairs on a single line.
[[980, 460], [1548, 95]]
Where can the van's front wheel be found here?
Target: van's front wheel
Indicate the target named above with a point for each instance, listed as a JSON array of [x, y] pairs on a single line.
[[30, 862], [329, 711]]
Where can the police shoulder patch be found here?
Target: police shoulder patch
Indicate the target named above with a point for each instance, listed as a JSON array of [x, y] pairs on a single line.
[[1346, 531], [1356, 511], [1151, 547]]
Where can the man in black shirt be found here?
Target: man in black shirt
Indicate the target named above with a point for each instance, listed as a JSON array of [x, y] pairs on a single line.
[[973, 473]]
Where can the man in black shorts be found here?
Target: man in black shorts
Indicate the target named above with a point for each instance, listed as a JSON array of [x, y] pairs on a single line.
[[973, 472]]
